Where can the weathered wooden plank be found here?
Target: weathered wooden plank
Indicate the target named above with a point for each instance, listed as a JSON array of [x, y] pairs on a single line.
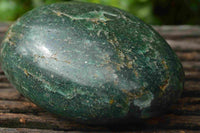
[[4, 27], [10, 94], [191, 65], [45, 121], [3, 79], [192, 86], [172, 121], [168, 131], [188, 56], [186, 110], [169, 121], [5, 85], [178, 31], [18, 107], [191, 89], [192, 75], [1, 72], [184, 45], [189, 101], [26, 130]]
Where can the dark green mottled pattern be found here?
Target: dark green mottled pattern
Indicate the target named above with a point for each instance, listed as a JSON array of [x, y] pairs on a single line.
[[91, 63]]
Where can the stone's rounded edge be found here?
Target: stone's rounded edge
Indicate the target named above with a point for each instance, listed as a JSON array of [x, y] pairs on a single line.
[[125, 105]]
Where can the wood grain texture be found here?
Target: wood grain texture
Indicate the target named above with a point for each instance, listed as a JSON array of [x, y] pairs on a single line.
[[9, 94], [25, 130], [22, 130], [182, 31], [17, 114]]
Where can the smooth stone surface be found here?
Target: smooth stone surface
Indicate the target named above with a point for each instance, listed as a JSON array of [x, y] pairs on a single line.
[[91, 63]]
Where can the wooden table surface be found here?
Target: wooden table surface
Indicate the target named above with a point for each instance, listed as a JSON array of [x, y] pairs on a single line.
[[17, 114]]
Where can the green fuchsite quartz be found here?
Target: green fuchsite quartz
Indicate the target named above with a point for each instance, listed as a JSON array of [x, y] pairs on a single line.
[[91, 63]]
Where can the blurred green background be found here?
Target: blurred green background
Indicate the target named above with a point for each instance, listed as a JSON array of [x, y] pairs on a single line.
[[156, 12]]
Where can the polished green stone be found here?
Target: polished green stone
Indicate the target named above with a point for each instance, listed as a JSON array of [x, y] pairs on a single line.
[[91, 63]]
